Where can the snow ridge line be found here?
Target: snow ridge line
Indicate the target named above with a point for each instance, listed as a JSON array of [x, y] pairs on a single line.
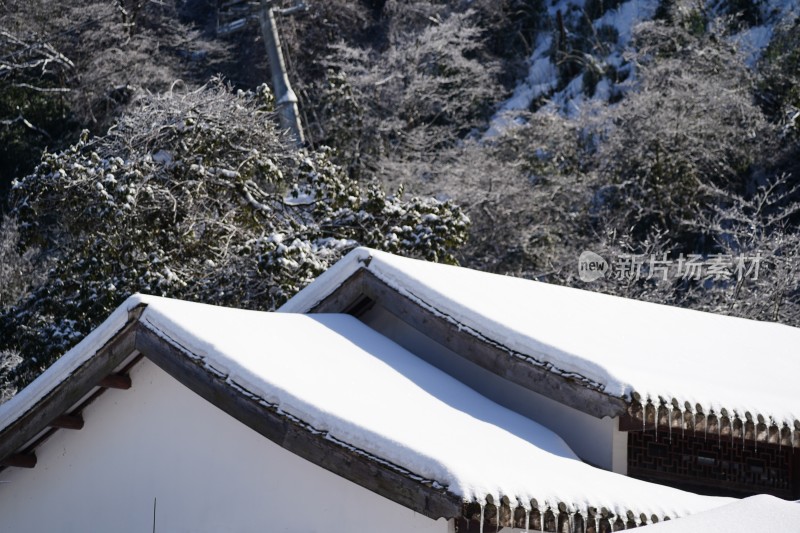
[[432, 483]]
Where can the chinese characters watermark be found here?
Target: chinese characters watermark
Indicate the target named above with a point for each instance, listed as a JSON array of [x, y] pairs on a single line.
[[661, 267]]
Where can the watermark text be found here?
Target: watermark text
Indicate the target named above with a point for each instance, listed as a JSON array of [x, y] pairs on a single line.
[[662, 267]]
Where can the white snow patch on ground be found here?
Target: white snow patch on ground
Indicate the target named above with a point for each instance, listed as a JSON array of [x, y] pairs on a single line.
[[570, 100], [542, 78], [626, 16], [752, 42]]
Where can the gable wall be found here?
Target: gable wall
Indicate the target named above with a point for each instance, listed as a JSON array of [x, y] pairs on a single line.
[[208, 472]]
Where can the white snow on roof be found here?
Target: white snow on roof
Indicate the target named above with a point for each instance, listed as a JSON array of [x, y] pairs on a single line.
[[757, 513], [623, 345], [366, 392], [341, 377]]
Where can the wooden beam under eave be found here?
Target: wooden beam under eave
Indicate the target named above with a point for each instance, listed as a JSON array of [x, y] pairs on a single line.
[[116, 381], [20, 460], [68, 422]]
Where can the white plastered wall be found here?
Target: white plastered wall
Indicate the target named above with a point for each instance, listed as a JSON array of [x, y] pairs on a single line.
[[619, 450], [208, 473]]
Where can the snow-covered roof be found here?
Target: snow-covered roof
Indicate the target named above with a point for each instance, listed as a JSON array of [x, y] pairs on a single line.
[[756, 513], [619, 345], [345, 383]]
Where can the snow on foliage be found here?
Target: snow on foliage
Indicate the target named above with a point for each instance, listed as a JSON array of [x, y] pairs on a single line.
[[196, 195]]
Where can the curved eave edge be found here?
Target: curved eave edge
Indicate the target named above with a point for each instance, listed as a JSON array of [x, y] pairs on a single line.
[[566, 387], [391, 481], [574, 380]]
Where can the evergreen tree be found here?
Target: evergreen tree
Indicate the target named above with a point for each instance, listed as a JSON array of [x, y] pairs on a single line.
[[195, 195]]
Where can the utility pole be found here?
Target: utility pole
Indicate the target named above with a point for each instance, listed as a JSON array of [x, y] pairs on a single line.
[[234, 16], [285, 98]]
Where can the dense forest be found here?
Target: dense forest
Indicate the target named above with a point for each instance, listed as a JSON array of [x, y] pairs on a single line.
[[140, 150]]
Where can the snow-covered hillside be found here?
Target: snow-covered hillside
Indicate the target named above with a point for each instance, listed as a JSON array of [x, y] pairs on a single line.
[[586, 54]]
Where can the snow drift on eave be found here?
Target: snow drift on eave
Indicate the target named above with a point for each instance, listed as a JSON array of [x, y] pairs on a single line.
[[622, 346], [363, 391]]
